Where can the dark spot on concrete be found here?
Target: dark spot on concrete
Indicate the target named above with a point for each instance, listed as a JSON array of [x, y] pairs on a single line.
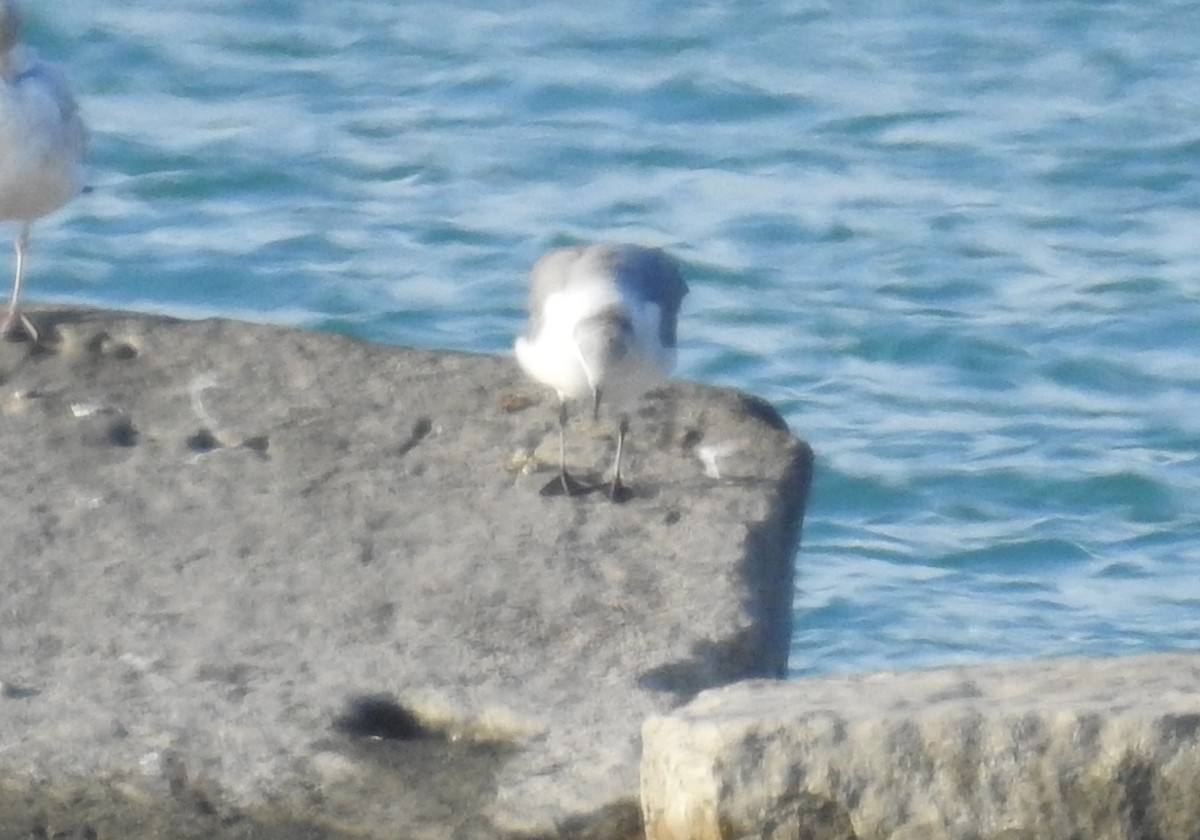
[[102, 345], [258, 443], [621, 494], [232, 673], [691, 439], [647, 411], [366, 551], [16, 692], [203, 441], [420, 430], [512, 403], [203, 804], [672, 517], [382, 617], [175, 771], [95, 344], [48, 646], [122, 432], [381, 717]]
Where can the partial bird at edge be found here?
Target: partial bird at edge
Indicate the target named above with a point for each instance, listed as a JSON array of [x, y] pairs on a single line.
[[43, 141]]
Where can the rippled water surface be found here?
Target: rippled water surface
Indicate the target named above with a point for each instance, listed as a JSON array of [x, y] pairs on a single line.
[[957, 245]]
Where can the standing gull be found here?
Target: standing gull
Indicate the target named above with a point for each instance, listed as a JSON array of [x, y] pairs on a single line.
[[42, 142], [602, 324]]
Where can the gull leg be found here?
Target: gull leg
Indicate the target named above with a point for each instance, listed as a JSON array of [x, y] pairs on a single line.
[[562, 447], [563, 484], [14, 314], [619, 492]]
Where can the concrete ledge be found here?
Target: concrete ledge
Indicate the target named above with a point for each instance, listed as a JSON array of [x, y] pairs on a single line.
[[267, 582], [1054, 749]]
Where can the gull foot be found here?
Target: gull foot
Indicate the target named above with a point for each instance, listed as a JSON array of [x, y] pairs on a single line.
[[564, 485], [619, 493], [17, 327]]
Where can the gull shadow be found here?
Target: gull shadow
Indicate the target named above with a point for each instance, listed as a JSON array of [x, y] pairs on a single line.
[[423, 775]]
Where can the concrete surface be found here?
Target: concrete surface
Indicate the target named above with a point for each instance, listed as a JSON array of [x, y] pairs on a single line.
[[266, 582], [1105, 749]]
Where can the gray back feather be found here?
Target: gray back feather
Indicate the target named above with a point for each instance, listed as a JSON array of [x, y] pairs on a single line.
[[646, 274]]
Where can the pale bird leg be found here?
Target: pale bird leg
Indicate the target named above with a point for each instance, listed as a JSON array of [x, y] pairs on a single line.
[[619, 492], [14, 314], [563, 484], [562, 447]]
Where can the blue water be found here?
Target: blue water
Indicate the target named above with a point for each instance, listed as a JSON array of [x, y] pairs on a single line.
[[958, 245]]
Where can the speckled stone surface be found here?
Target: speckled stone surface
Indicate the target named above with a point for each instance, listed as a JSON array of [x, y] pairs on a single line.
[[1097, 748], [223, 542]]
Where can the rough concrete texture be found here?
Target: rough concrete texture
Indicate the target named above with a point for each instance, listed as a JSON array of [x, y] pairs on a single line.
[[1096, 749], [274, 578]]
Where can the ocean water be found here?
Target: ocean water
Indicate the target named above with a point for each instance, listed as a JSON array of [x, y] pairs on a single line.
[[957, 245]]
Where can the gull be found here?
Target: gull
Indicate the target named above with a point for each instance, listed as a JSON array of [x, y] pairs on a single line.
[[602, 323], [42, 143]]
